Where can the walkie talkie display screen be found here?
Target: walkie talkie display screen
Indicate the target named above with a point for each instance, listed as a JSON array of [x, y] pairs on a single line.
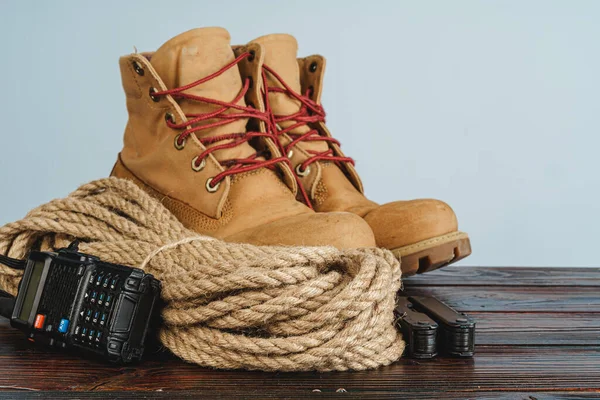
[[32, 286]]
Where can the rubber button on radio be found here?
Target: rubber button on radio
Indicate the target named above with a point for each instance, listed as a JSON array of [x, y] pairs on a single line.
[[108, 301], [114, 346], [39, 321], [63, 326], [132, 283]]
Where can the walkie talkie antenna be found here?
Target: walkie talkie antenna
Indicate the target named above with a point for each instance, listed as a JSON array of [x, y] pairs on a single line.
[[7, 301], [13, 262], [7, 304], [6, 307]]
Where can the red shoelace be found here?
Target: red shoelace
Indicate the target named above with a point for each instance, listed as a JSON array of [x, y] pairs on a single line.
[[309, 112], [233, 166]]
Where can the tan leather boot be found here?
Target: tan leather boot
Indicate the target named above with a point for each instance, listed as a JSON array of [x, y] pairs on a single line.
[[422, 233], [195, 141]]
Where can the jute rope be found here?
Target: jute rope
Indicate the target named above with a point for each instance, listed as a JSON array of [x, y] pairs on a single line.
[[229, 305]]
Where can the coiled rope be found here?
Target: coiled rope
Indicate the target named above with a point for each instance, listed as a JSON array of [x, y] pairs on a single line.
[[228, 305]]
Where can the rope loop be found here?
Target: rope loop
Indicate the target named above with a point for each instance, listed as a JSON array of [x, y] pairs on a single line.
[[228, 305]]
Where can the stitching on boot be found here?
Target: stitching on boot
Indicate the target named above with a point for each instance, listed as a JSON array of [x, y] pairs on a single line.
[[444, 238]]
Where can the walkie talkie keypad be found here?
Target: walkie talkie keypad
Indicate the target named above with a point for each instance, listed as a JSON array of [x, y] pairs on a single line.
[[97, 308]]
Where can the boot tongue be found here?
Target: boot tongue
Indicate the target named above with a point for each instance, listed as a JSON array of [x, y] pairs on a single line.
[[280, 54], [194, 55]]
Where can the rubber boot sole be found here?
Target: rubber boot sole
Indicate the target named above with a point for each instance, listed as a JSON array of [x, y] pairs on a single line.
[[434, 253]]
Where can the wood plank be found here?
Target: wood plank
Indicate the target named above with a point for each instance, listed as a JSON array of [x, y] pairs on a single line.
[[507, 276], [537, 329], [514, 299], [494, 368], [500, 369], [308, 394]]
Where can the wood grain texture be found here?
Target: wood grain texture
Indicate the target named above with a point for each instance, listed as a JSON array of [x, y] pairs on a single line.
[[533, 342], [313, 394], [507, 276], [515, 299], [537, 329], [494, 368]]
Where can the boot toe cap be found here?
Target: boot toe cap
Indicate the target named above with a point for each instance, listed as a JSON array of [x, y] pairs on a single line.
[[403, 223], [339, 229]]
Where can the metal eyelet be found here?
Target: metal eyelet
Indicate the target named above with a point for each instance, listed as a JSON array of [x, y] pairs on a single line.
[[138, 68], [210, 188], [170, 118], [301, 172], [155, 99], [252, 55], [179, 143], [313, 66], [198, 167], [290, 154]]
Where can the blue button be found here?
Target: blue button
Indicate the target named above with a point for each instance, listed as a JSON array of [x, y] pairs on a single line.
[[63, 326]]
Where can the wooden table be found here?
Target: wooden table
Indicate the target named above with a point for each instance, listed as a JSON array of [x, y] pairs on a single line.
[[538, 337]]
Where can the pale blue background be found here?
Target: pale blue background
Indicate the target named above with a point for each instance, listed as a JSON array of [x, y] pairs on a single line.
[[493, 106]]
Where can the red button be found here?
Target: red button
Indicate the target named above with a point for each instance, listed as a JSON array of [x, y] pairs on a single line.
[[39, 321]]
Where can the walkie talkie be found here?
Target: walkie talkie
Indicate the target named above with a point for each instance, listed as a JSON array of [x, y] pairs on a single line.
[[71, 300]]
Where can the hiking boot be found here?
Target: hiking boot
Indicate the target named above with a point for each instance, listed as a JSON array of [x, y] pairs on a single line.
[[198, 139], [422, 233]]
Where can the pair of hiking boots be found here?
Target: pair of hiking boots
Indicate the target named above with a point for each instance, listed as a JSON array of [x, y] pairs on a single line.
[[232, 140]]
